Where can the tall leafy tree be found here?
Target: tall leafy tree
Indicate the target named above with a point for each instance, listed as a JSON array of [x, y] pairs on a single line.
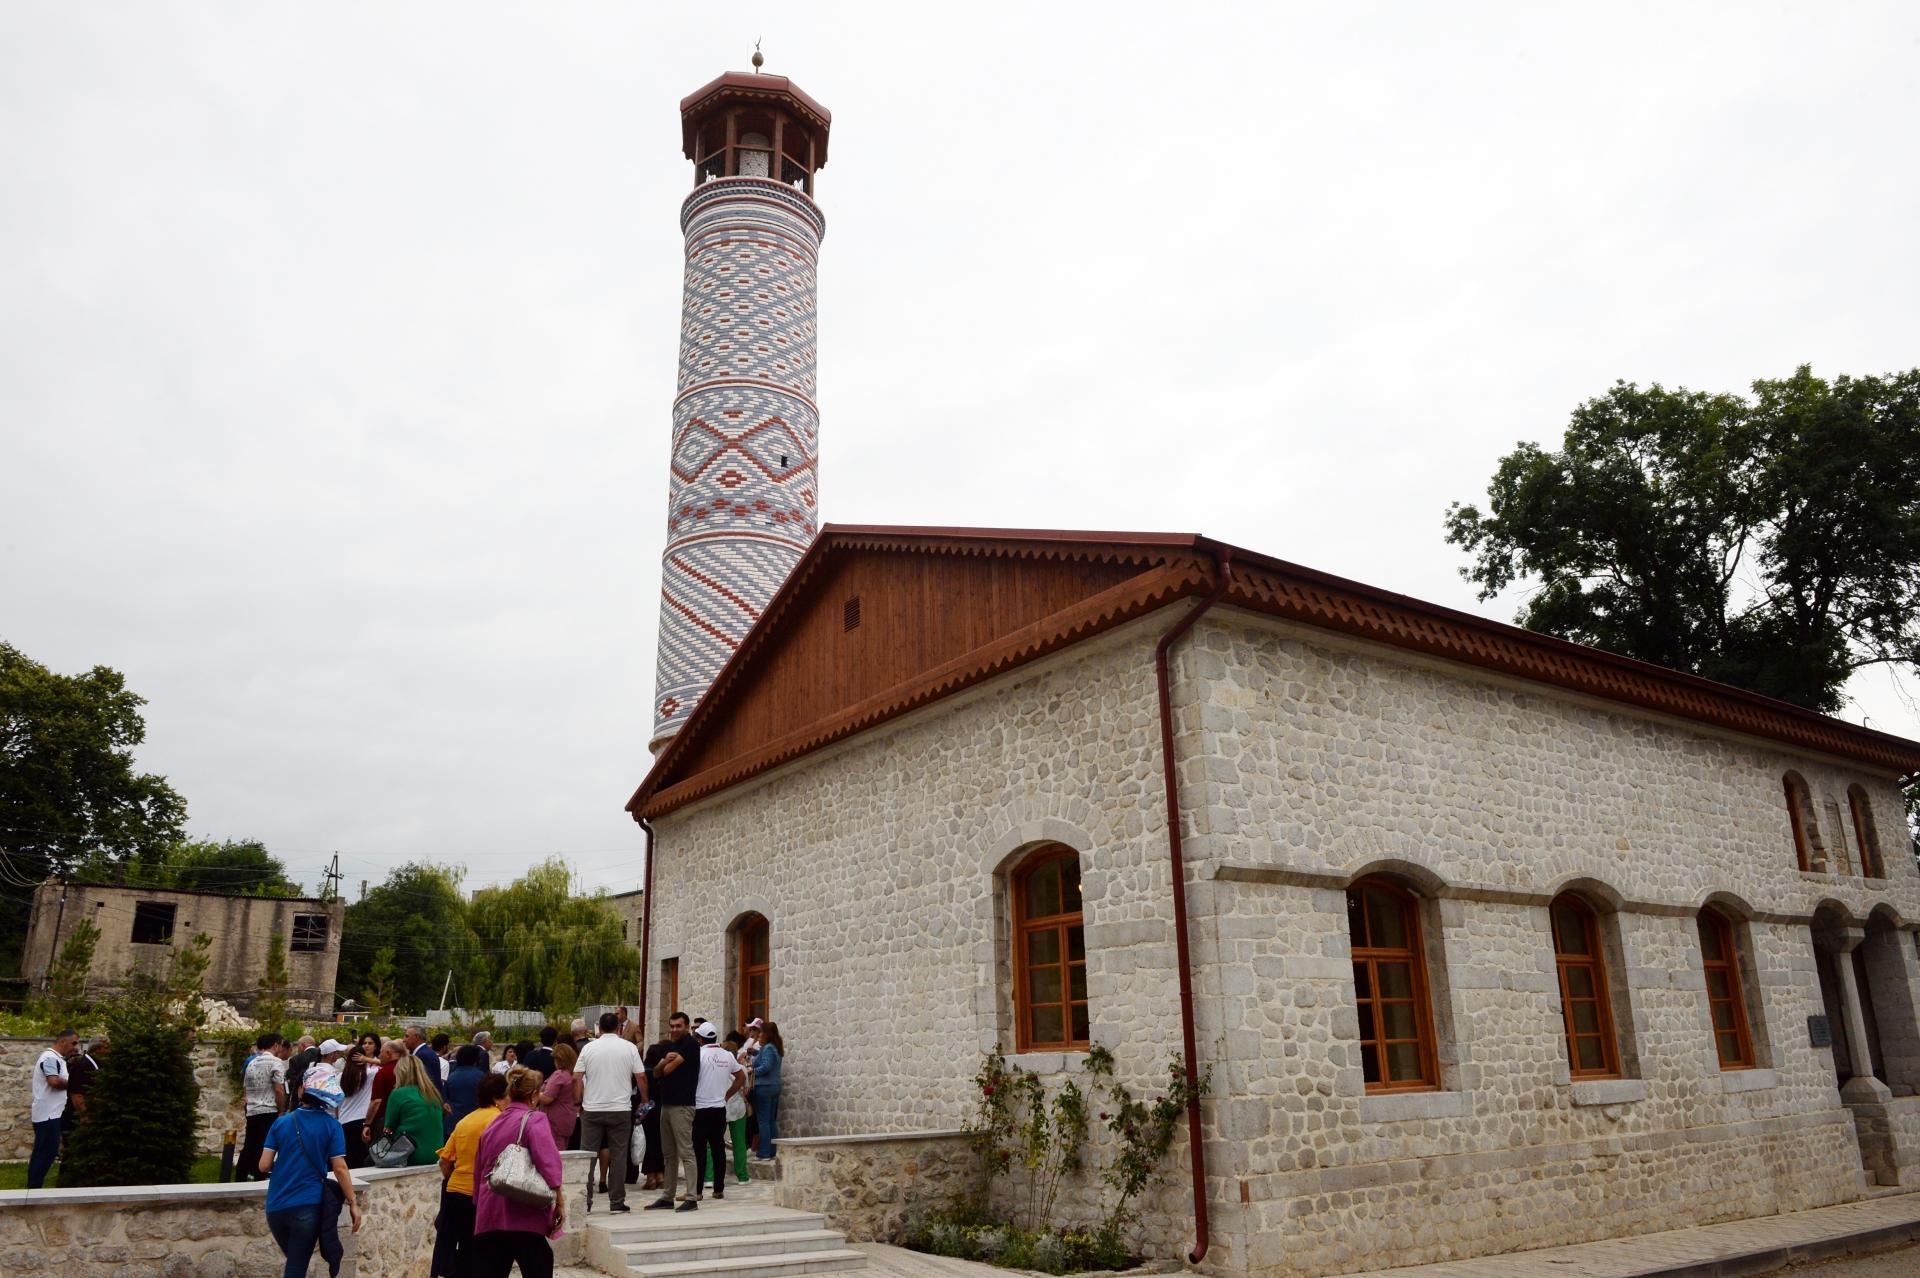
[[1770, 541], [546, 948], [420, 915], [70, 793], [239, 866]]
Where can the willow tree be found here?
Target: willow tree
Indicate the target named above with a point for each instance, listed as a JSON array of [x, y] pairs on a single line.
[[541, 945]]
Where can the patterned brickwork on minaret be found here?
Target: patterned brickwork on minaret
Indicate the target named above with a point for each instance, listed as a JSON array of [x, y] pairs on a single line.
[[744, 495]]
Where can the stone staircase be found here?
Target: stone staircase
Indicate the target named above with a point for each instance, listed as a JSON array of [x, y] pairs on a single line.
[[721, 1240]]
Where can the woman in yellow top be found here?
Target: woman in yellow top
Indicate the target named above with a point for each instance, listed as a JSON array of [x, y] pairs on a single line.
[[415, 1108], [453, 1231]]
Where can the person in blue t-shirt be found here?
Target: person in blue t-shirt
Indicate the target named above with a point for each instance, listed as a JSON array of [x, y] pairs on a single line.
[[300, 1148]]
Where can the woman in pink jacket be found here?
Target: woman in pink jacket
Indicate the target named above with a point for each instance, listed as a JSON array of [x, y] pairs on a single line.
[[506, 1233]]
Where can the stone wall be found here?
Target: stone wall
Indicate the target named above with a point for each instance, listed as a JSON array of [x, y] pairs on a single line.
[[1305, 760], [869, 1186], [220, 1103], [220, 1231]]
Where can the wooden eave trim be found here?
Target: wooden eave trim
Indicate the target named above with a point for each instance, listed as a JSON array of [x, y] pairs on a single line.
[[1329, 604], [1111, 607]]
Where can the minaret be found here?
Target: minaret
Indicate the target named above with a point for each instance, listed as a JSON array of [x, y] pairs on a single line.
[[743, 501]]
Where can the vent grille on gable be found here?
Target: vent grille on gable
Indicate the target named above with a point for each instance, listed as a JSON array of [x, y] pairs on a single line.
[[850, 614]]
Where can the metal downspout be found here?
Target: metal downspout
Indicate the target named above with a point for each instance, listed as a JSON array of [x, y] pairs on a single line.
[[646, 929], [1223, 561]]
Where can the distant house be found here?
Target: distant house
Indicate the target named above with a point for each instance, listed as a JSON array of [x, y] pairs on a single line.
[[138, 927]]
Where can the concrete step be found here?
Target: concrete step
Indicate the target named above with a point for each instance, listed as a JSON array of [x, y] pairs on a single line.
[[764, 1266], [728, 1246], [711, 1220]]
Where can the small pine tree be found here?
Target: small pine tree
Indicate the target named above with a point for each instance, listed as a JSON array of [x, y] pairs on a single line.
[[143, 1112], [270, 1001], [67, 982], [378, 996]]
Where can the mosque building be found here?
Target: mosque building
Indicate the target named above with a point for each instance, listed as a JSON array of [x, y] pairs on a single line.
[[1483, 940]]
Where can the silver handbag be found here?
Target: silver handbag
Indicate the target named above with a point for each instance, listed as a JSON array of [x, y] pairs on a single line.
[[515, 1178]]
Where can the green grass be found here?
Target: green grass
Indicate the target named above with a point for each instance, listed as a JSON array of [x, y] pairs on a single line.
[[206, 1171]]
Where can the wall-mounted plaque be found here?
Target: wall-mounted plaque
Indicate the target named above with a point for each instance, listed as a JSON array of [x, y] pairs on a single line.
[[1820, 1031]]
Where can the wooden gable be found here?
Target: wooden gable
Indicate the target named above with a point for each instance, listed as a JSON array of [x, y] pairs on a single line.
[[876, 622], [872, 625]]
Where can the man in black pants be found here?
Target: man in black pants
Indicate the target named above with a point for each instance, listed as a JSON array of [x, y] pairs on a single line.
[[721, 1078], [265, 1087]]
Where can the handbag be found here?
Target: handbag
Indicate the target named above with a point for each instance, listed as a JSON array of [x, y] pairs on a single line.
[[395, 1149], [515, 1178]]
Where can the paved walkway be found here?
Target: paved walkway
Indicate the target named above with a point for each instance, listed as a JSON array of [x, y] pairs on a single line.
[[1737, 1247], [1741, 1247]]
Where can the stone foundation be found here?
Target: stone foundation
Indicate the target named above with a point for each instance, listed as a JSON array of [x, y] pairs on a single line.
[[1889, 1139], [220, 1231], [869, 1186]]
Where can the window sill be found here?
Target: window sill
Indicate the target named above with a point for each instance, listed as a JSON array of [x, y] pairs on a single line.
[[1411, 1107], [1069, 1060], [1748, 1080], [1609, 1091]]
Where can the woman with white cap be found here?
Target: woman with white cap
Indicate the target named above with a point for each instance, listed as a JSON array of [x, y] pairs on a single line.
[[306, 1143]]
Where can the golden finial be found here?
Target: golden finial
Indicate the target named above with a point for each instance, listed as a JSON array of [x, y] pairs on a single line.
[[758, 60]]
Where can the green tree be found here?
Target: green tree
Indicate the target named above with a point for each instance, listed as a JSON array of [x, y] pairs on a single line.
[[67, 981], [549, 948], [241, 867], [378, 994], [270, 1003], [1770, 541], [69, 791], [146, 1097], [420, 915]]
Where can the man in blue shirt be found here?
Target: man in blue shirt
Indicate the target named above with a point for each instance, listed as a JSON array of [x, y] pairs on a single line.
[[306, 1143]]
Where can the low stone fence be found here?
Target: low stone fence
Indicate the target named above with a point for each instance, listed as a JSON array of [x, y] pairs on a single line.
[[220, 1231], [220, 1107], [869, 1186]]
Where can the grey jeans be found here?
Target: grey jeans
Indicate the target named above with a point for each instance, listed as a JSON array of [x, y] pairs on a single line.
[[676, 1148], [614, 1129]]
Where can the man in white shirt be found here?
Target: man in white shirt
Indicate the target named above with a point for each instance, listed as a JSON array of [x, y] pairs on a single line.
[[604, 1079], [49, 1103], [722, 1077], [265, 1087]]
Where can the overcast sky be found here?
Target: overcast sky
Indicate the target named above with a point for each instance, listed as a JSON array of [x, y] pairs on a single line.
[[337, 341]]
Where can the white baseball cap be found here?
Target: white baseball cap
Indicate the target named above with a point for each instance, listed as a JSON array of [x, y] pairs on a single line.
[[707, 1031]]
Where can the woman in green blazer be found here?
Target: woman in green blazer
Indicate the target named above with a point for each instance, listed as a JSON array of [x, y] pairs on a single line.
[[415, 1108]]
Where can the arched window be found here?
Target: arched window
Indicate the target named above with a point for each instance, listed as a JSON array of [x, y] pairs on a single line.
[[1592, 1051], [1865, 836], [1806, 834], [1050, 953], [1726, 1000], [1390, 987], [753, 946]]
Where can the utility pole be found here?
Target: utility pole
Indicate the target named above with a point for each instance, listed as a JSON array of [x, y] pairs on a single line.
[[332, 876]]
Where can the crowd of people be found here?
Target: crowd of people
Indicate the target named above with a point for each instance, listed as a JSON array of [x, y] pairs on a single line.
[[314, 1108]]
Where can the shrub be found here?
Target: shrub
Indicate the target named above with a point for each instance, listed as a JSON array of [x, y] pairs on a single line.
[[142, 1113]]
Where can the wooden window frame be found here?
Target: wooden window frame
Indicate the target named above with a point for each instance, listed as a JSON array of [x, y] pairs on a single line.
[[1415, 956], [669, 991], [1062, 924], [1796, 789], [1866, 835], [1595, 962], [1722, 924], [754, 925]]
